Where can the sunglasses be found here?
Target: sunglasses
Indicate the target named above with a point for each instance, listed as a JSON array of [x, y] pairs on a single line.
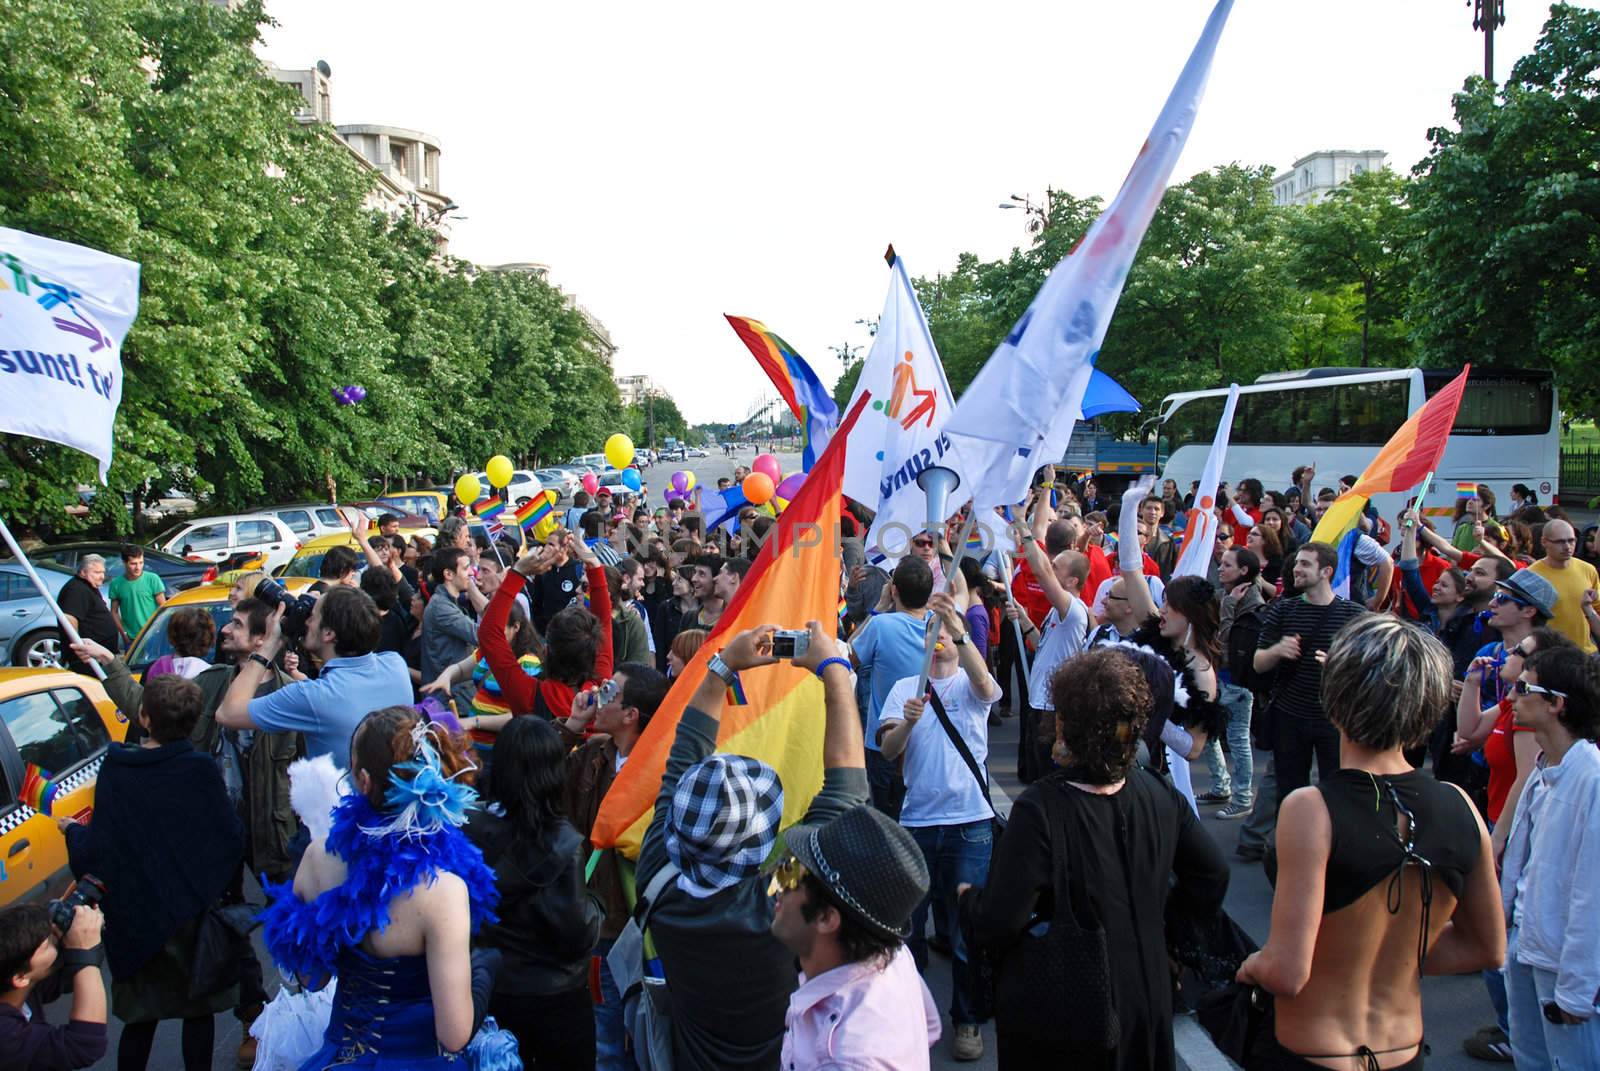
[[1502, 597], [922, 542], [1522, 687], [787, 877]]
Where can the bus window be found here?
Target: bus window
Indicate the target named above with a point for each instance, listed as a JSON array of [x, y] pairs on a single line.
[[1194, 421], [1370, 412], [1503, 405]]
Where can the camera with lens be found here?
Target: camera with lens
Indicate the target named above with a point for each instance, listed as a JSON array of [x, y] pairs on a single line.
[[296, 608], [791, 643], [604, 694], [88, 891]]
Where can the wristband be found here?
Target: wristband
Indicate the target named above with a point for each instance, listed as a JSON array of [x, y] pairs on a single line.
[[73, 960], [262, 661], [835, 660], [716, 665]]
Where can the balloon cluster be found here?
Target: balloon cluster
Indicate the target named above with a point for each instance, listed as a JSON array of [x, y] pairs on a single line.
[[350, 395], [762, 484]]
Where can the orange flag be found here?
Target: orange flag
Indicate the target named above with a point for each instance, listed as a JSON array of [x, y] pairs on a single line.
[[795, 579]]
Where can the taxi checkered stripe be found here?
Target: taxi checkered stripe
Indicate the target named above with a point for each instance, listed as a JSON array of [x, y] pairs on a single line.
[[71, 783], [15, 817]]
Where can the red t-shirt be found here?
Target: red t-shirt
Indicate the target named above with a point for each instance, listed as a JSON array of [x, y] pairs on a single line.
[[1103, 568], [1029, 595], [1501, 752]]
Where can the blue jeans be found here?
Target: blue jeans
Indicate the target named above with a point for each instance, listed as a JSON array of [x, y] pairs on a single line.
[[955, 855], [611, 1051], [1263, 821], [1237, 702], [1535, 1041]]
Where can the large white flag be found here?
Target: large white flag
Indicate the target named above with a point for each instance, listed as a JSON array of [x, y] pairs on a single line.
[[1201, 531], [64, 310], [1018, 413], [902, 431]]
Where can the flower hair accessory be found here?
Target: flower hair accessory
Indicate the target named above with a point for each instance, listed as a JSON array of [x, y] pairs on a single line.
[[421, 798]]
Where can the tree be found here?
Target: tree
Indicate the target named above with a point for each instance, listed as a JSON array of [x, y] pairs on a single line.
[[668, 420], [1361, 237], [1508, 213]]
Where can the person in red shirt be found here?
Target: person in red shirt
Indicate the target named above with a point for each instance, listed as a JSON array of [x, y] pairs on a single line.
[[1246, 509], [577, 643]]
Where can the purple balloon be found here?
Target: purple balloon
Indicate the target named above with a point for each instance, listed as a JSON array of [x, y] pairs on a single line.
[[341, 396], [790, 485], [680, 482], [357, 393]]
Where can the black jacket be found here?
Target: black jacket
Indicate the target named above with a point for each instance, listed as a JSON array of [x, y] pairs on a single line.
[[549, 922]]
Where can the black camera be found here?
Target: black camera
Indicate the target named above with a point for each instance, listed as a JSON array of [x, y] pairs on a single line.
[[296, 608], [88, 891]]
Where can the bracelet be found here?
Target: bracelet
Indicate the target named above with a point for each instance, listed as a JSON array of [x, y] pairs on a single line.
[[835, 660], [258, 659], [716, 665]]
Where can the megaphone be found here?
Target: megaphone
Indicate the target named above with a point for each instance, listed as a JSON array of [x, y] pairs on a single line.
[[938, 483]]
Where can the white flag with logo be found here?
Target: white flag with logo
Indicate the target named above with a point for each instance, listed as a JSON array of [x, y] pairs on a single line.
[[1201, 531], [64, 310], [1017, 415], [901, 432]]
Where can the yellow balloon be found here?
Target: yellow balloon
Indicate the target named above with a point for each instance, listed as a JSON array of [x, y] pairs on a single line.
[[469, 489], [499, 470], [690, 487], [619, 450]]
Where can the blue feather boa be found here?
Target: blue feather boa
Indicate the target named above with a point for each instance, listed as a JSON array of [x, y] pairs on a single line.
[[306, 939]]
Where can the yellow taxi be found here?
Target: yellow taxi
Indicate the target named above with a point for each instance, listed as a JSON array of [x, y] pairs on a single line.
[[55, 727], [307, 561], [152, 642]]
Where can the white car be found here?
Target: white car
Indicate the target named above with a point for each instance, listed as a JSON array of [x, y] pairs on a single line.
[[698, 451], [216, 539], [523, 486], [308, 520], [564, 482]]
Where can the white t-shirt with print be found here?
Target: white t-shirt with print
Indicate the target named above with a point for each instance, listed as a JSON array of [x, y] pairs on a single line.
[[940, 789], [1063, 638]]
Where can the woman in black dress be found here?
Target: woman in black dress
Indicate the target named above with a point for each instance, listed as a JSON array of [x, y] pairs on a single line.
[[1124, 833]]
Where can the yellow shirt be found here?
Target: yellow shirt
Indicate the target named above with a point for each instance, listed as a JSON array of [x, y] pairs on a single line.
[[1570, 584]]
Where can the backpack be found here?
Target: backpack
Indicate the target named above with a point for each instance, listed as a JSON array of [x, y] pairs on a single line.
[[646, 1004]]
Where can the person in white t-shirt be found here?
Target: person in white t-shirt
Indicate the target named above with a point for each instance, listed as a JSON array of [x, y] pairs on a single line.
[[945, 808], [1065, 633]]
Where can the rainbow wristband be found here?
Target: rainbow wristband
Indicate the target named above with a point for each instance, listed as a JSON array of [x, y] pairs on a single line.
[[826, 662]]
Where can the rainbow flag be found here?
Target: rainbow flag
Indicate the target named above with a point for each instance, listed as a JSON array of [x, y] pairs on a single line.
[[795, 579], [812, 405], [38, 790], [1466, 489], [736, 696], [489, 508], [538, 515], [1408, 457]]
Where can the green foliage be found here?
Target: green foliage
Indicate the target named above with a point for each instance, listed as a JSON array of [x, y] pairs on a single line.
[[663, 411], [1508, 212], [149, 129]]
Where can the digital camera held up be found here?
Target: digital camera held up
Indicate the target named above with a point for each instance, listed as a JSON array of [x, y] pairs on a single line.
[[88, 891], [296, 608]]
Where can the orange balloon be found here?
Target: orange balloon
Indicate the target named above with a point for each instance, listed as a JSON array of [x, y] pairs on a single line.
[[758, 488]]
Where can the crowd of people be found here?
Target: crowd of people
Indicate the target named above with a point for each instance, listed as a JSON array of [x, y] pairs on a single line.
[[1413, 761]]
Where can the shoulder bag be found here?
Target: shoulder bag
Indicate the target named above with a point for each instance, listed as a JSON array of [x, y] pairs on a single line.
[[646, 1004]]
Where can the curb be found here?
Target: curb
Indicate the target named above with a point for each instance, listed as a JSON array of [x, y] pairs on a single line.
[[1195, 1049]]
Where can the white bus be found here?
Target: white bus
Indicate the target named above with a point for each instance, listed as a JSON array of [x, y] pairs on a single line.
[[1507, 431]]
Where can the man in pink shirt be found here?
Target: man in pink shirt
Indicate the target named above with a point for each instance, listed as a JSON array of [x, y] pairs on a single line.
[[844, 909]]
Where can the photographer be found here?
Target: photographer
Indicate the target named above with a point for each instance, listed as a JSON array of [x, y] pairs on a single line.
[[342, 631], [37, 964]]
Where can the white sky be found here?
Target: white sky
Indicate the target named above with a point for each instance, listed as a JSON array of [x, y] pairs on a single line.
[[672, 162]]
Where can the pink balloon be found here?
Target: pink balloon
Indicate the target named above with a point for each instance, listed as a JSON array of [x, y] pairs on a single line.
[[791, 485], [768, 464], [591, 483]]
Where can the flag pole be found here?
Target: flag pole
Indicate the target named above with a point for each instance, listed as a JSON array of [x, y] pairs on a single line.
[[50, 600], [1422, 495]]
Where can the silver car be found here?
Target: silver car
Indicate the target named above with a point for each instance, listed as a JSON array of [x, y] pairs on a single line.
[[29, 634]]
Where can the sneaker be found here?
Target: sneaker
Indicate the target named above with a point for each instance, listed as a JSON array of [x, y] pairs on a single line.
[[968, 1043], [1215, 797], [1489, 1044], [1234, 810]]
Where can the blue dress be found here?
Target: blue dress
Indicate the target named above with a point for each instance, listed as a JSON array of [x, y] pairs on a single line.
[[382, 1017]]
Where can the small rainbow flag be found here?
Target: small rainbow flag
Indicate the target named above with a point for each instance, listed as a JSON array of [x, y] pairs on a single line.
[[975, 540], [38, 790], [538, 515], [1466, 489], [736, 696], [489, 508]]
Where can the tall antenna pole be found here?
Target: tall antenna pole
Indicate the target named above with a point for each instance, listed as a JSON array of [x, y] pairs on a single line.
[[1488, 15]]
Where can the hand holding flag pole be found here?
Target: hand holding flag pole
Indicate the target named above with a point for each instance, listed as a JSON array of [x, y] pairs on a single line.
[[50, 600], [938, 482], [1422, 493]]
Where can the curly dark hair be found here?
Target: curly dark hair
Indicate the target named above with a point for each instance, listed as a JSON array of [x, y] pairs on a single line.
[[1102, 703], [192, 632], [858, 943], [572, 642]]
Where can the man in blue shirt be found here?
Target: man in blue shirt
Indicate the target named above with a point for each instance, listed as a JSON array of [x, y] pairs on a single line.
[[890, 647], [342, 632]]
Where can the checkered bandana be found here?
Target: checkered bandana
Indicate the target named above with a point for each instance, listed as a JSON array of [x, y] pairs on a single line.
[[723, 822]]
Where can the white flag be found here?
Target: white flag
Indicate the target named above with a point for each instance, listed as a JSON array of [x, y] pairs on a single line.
[[1201, 532], [64, 310], [1017, 415], [901, 432]]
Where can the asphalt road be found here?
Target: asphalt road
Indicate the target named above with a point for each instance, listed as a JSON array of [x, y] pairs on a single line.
[[1453, 1008]]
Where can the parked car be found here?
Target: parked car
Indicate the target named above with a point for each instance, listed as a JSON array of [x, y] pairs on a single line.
[[698, 451], [564, 482], [54, 725], [151, 643], [307, 520], [28, 632], [216, 539], [177, 573], [595, 463], [523, 486], [427, 504]]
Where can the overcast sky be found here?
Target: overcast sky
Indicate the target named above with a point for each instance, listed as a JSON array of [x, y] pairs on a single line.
[[672, 162]]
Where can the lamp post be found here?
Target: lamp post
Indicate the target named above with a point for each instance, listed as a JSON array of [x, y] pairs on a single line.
[[1488, 15], [1039, 214]]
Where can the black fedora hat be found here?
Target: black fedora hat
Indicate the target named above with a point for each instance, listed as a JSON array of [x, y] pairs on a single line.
[[869, 863]]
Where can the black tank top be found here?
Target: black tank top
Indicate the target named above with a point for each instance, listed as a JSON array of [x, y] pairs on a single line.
[[1369, 845]]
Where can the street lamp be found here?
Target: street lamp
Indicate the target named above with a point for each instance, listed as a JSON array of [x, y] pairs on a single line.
[[1039, 214]]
